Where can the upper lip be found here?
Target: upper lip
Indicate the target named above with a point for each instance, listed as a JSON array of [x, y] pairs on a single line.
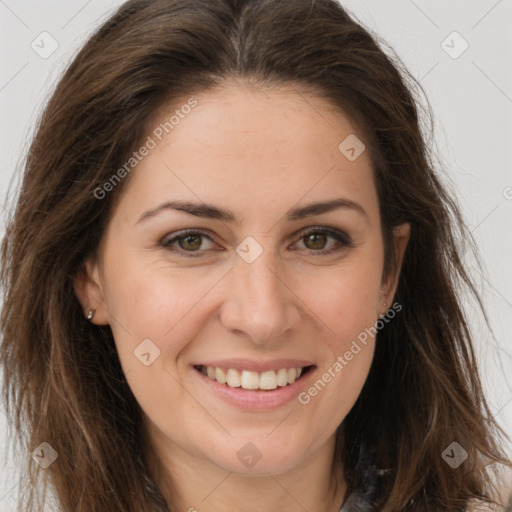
[[256, 366]]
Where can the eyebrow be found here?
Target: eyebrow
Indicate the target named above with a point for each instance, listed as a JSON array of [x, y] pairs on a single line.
[[212, 212]]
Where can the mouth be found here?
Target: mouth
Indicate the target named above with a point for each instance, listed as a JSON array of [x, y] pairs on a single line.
[[254, 381]]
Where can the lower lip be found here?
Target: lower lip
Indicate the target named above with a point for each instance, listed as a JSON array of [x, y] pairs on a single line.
[[248, 399]]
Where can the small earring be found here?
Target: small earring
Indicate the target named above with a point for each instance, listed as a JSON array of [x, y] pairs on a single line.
[[384, 314], [90, 314]]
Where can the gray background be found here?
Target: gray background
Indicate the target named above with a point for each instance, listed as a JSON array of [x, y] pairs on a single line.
[[471, 96]]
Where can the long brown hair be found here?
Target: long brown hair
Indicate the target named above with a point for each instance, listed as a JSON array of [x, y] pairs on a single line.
[[63, 382]]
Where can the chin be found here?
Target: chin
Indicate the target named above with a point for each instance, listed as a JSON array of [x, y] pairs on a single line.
[[257, 460]]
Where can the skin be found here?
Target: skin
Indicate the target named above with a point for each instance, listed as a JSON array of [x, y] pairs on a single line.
[[257, 153]]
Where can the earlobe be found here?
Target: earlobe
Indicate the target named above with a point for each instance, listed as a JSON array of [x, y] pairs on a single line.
[[89, 292]]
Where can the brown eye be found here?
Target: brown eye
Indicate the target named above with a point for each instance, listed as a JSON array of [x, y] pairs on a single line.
[[315, 240], [190, 242]]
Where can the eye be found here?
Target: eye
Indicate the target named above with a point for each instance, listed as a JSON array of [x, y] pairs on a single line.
[[317, 238], [189, 241]]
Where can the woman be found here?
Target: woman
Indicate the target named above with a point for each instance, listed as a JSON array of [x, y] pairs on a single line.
[[216, 289]]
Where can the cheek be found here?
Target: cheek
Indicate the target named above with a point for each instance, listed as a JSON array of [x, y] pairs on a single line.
[[346, 301], [346, 307], [155, 303], [348, 317], [150, 300]]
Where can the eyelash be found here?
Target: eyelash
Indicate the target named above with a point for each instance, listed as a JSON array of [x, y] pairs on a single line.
[[339, 236]]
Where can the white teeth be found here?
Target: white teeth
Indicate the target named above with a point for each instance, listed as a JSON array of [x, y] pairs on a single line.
[[247, 379], [268, 380], [233, 378], [282, 377], [220, 376], [250, 380]]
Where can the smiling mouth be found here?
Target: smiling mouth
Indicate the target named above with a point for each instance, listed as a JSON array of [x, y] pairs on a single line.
[[254, 381]]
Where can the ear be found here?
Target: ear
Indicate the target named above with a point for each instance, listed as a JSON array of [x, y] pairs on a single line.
[[401, 236], [89, 291]]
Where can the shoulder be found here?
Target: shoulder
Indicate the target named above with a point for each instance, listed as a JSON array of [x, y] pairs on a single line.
[[485, 507], [506, 494], [505, 500]]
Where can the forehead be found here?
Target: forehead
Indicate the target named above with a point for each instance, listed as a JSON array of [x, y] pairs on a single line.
[[251, 147]]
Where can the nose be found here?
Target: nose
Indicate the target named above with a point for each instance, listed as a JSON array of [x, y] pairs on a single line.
[[260, 305]]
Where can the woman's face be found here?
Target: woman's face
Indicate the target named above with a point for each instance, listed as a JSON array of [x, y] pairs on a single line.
[[269, 279]]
